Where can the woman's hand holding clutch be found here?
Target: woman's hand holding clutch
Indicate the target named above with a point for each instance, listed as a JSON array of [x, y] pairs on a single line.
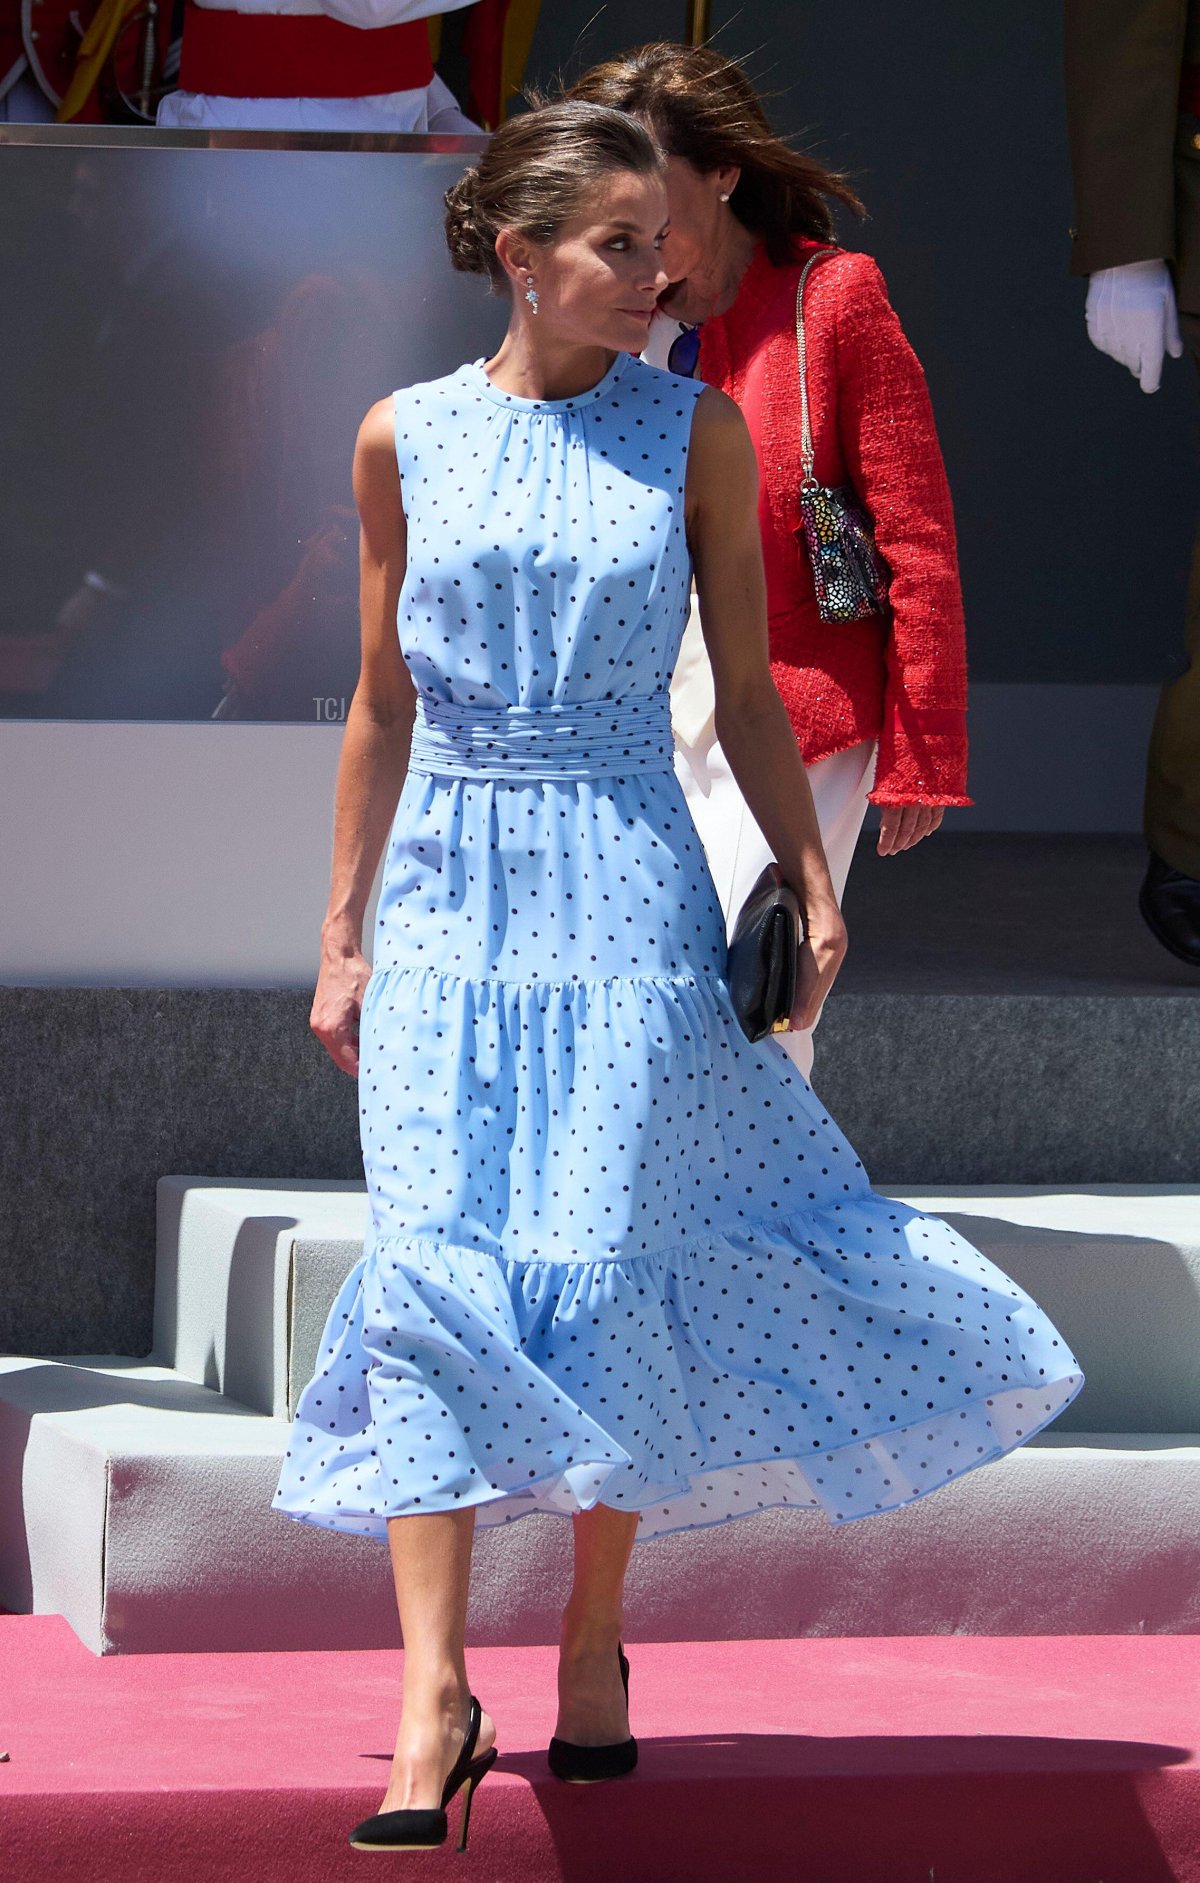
[[822, 950]]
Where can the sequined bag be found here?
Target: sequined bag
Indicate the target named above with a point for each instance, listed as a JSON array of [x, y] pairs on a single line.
[[849, 574]]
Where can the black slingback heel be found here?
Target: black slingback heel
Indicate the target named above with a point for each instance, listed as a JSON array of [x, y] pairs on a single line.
[[588, 1765], [424, 1829]]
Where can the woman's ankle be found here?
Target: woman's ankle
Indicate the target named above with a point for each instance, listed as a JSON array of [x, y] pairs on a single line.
[[587, 1631], [437, 1694]]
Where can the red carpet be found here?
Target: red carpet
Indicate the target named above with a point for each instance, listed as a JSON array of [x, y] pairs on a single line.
[[951, 1759]]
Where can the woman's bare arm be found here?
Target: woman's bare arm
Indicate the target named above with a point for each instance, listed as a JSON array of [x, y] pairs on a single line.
[[751, 723], [374, 755]]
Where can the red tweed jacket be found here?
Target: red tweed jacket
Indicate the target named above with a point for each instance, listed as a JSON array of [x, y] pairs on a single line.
[[903, 682]]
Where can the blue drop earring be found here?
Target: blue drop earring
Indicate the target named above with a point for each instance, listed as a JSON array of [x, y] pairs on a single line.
[[531, 293]]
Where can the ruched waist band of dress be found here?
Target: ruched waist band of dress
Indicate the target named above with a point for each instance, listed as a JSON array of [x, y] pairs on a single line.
[[570, 739]]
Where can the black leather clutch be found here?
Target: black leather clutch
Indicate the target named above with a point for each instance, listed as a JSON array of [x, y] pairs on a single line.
[[762, 955]]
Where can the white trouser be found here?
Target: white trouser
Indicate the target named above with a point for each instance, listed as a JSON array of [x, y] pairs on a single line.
[[430, 109], [736, 849]]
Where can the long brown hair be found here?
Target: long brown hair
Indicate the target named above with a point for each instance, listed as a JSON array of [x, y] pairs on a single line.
[[702, 107]]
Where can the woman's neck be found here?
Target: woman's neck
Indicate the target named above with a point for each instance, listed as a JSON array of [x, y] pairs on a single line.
[[543, 368], [711, 288]]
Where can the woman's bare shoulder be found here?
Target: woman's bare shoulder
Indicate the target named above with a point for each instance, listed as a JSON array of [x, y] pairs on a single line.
[[715, 409], [719, 428], [376, 470], [721, 457], [378, 428]]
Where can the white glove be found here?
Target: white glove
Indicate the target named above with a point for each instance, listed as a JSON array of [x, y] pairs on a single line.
[[1131, 316]]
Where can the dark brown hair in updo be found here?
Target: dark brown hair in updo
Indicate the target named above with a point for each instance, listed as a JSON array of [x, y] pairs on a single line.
[[535, 174], [702, 107]]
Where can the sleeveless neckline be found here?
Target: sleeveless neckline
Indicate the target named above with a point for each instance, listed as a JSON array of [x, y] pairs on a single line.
[[479, 379]]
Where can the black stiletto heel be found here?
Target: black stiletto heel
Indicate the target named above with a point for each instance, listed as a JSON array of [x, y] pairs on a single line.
[[425, 1829], [589, 1765]]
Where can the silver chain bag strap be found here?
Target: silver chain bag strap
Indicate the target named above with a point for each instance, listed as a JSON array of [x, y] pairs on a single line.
[[849, 574]]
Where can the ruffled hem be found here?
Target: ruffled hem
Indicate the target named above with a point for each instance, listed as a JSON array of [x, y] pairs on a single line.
[[695, 1385]]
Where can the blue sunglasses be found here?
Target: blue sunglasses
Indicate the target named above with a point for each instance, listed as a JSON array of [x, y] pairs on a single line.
[[684, 353]]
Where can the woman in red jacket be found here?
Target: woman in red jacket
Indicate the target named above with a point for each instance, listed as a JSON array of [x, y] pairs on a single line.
[[878, 706]]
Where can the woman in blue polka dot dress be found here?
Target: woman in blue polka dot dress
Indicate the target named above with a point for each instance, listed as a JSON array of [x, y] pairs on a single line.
[[621, 1263]]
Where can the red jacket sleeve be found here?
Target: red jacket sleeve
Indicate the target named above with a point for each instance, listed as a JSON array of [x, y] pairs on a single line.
[[890, 448]]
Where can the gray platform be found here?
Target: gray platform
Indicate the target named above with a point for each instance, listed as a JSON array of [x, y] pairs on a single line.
[[135, 1497], [1019, 916]]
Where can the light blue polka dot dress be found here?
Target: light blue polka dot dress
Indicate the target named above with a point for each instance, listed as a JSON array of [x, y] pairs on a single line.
[[617, 1253]]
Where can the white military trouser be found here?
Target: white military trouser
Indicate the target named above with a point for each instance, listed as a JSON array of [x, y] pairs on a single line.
[[736, 849], [432, 109]]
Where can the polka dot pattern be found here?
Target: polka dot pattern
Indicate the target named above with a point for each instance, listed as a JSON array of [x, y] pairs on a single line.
[[617, 1252]]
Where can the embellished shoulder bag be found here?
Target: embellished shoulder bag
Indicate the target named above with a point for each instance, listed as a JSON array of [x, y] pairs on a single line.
[[850, 575]]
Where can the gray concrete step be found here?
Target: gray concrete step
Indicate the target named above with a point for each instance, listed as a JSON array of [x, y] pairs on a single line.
[[135, 1497], [139, 1507], [232, 1269]]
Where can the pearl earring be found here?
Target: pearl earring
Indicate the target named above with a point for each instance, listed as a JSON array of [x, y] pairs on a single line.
[[531, 293], [725, 197]]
